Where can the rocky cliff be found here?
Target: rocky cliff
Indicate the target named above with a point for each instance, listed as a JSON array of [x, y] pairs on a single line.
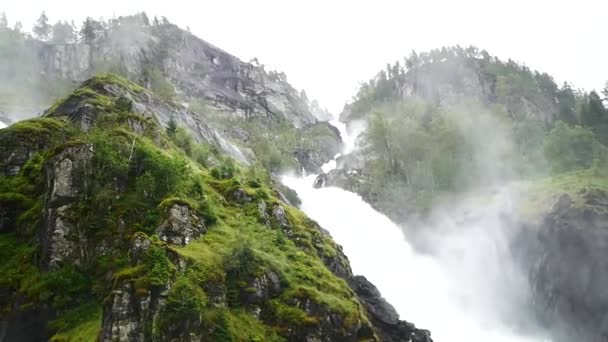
[[566, 259], [110, 230], [452, 76], [195, 69]]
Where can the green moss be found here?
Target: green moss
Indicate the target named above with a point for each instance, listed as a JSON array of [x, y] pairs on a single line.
[[134, 180], [159, 268], [102, 80], [289, 316], [186, 302], [37, 132], [81, 324], [93, 92], [85, 332], [243, 248], [537, 196], [18, 266]]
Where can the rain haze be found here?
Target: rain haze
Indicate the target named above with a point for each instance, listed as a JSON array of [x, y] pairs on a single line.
[[452, 185], [329, 47]]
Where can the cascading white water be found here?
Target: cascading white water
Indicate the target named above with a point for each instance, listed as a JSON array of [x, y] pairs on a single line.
[[465, 289]]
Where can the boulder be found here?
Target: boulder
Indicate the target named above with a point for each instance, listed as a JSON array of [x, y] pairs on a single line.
[[181, 226]]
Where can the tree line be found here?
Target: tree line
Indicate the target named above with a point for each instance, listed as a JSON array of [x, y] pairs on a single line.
[[64, 32]]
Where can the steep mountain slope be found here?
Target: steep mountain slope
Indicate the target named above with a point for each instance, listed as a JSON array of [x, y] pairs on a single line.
[[148, 52], [110, 231], [454, 120], [236, 98]]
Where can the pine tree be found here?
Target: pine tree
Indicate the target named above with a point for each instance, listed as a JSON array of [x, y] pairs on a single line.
[[63, 33], [90, 29], [42, 29], [18, 27], [3, 21], [171, 127], [593, 112]]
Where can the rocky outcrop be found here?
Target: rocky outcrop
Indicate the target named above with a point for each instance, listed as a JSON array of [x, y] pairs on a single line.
[[108, 90], [130, 313], [347, 179], [569, 268], [321, 143], [456, 80], [182, 226], [110, 224], [384, 316], [23, 141], [68, 181], [129, 316], [384, 319]]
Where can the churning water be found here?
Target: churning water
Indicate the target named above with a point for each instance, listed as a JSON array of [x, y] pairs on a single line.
[[466, 287]]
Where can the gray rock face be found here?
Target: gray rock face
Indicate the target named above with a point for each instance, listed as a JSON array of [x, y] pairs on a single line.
[[348, 179], [182, 226], [139, 246], [239, 195], [321, 143], [16, 148], [280, 216], [454, 82], [129, 317], [197, 69], [384, 315], [68, 177], [261, 289], [568, 272], [147, 105]]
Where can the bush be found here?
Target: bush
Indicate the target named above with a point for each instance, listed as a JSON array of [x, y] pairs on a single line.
[[123, 104], [215, 173], [571, 148], [159, 84], [200, 154], [183, 139]]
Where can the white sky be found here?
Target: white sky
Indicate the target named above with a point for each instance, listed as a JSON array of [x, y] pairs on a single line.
[[328, 47]]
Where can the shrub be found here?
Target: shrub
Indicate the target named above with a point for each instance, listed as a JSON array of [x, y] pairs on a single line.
[[570, 148], [123, 104]]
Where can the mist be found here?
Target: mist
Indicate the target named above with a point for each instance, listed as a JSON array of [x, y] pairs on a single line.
[[468, 285], [457, 272]]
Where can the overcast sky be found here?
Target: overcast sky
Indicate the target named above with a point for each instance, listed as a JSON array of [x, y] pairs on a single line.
[[328, 47]]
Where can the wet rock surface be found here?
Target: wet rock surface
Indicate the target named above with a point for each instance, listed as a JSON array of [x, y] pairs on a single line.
[[181, 226], [384, 316], [68, 180], [568, 267]]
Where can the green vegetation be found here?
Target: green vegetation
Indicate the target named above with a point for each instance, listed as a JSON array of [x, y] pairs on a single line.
[[538, 195], [85, 329], [159, 84], [570, 148], [521, 127], [126, 187]]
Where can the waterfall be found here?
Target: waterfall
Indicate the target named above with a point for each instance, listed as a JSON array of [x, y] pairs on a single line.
[[465, 288]]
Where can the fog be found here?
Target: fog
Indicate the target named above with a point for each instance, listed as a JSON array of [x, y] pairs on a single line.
[[467, 288], [455, 273]]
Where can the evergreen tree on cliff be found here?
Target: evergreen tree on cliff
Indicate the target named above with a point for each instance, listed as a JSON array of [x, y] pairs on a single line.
[[42, 29], [3, 21]]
